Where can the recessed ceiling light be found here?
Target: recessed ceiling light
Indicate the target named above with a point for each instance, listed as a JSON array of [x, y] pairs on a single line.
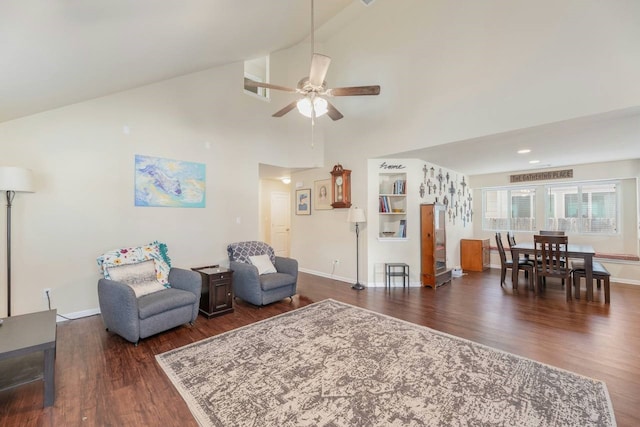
[[524, 151], [533, 162], [286, 180]]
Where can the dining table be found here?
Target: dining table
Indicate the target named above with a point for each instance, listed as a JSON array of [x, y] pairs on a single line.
[[585, 252]]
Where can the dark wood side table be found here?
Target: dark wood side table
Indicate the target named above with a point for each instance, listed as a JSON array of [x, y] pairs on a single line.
[[217, 290], [23, 340]]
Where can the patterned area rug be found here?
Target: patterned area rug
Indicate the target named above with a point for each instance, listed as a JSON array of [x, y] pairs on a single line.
[[333, 364]]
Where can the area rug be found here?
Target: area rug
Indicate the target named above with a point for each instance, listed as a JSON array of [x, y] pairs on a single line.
[[333, 364]]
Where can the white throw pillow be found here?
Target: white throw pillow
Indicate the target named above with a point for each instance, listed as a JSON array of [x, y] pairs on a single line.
[[141, 277], [263, 264]]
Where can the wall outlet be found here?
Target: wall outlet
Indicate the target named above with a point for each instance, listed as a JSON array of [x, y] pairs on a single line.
[[44, 293]]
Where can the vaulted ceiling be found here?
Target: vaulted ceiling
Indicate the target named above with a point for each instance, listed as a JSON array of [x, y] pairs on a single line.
[[55, 53]]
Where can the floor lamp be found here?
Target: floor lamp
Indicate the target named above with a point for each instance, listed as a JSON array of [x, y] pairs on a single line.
[[13, 180], [357, 216]]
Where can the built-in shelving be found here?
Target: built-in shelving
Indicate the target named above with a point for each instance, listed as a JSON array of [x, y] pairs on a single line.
[[392, 206]]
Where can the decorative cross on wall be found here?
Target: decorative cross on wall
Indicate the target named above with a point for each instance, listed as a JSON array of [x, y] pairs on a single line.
[[464, 185], [422, 190], [425, 170], [440, 179], [429, 185]]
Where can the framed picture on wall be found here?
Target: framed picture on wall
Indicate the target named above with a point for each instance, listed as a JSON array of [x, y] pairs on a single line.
[[303, 201], [322, 191]]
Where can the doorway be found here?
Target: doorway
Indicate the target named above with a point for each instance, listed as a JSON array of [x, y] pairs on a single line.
[[280, 228]]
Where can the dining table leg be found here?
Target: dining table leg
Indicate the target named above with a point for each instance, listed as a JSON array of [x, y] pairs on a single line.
[[588, 275], [515, 256]]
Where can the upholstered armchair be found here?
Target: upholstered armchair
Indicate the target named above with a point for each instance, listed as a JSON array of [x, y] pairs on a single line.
[[279, 278], [141, 295]]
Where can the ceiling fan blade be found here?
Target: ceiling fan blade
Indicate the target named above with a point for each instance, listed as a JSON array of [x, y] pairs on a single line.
[[333, 112], [252, 83], [285, 110], [354, 91], [319, 67]]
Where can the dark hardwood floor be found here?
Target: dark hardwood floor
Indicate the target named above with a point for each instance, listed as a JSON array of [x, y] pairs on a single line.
[[102, 380]]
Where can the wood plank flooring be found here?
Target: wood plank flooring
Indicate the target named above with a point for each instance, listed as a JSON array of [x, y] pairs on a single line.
[[102, 380]]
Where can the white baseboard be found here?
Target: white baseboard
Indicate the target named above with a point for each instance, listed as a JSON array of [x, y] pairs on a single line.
[[78, 314], [352, 281]]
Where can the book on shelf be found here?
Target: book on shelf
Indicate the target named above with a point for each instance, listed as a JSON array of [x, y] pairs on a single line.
[[399, 186], [402, 229], [384, 204]]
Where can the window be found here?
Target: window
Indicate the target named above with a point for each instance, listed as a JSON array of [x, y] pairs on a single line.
[[509, 209], [583, 207], [258, 71]]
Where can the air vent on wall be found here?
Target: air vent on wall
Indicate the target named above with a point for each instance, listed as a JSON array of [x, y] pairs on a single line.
[[367, 2]]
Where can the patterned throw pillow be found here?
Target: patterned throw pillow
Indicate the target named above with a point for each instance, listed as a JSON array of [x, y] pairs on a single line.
[[141, 277], [155, 251]]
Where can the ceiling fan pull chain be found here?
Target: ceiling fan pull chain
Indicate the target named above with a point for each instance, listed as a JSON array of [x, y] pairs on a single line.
[[312, 31]]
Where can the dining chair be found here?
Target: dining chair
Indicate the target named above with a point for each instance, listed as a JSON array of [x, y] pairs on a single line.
[[551, 251], [511, 240], [505, 264]]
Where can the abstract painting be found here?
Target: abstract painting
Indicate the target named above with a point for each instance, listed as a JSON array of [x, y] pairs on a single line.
[[169, 183]]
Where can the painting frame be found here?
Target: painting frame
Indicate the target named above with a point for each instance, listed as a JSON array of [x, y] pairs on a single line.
[[322, 190], [303, 201], [162, 182]]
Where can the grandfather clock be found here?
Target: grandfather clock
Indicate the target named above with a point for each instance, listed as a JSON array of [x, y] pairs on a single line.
[[340, 187]]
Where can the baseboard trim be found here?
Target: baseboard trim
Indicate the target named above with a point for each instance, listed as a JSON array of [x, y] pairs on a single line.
[[78, 314], [352, 281]]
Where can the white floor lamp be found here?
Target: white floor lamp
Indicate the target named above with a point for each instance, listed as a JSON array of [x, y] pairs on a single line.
[[13, 179], [357, 216]]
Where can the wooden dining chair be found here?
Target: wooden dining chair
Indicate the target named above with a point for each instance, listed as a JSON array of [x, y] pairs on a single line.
[[511, 240], [551, 253], [505, 264]]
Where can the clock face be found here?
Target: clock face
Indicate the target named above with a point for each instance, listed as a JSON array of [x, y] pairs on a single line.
[[339, 180]]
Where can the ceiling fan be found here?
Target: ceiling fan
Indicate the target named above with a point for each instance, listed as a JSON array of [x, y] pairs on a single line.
[[314, 89]]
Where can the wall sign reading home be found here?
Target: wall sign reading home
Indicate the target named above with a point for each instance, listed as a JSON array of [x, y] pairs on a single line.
[[387, 166]]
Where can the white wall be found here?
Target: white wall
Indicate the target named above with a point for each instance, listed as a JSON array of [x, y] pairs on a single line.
[[83, 157], [408, 251], [451, 71]]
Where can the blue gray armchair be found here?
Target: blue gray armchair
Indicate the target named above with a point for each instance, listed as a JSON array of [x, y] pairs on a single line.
[[266, 288], [135, 318]]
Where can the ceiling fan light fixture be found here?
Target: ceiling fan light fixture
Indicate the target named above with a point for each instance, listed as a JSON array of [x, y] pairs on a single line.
[[320, 105]]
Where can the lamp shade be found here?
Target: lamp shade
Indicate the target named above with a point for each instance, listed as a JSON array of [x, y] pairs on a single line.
[[356, 215], [320, 106], [16, 179]]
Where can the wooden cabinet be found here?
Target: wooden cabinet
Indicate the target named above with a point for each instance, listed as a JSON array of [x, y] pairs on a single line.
[[474, 254], [433, 245], [217, 291]]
